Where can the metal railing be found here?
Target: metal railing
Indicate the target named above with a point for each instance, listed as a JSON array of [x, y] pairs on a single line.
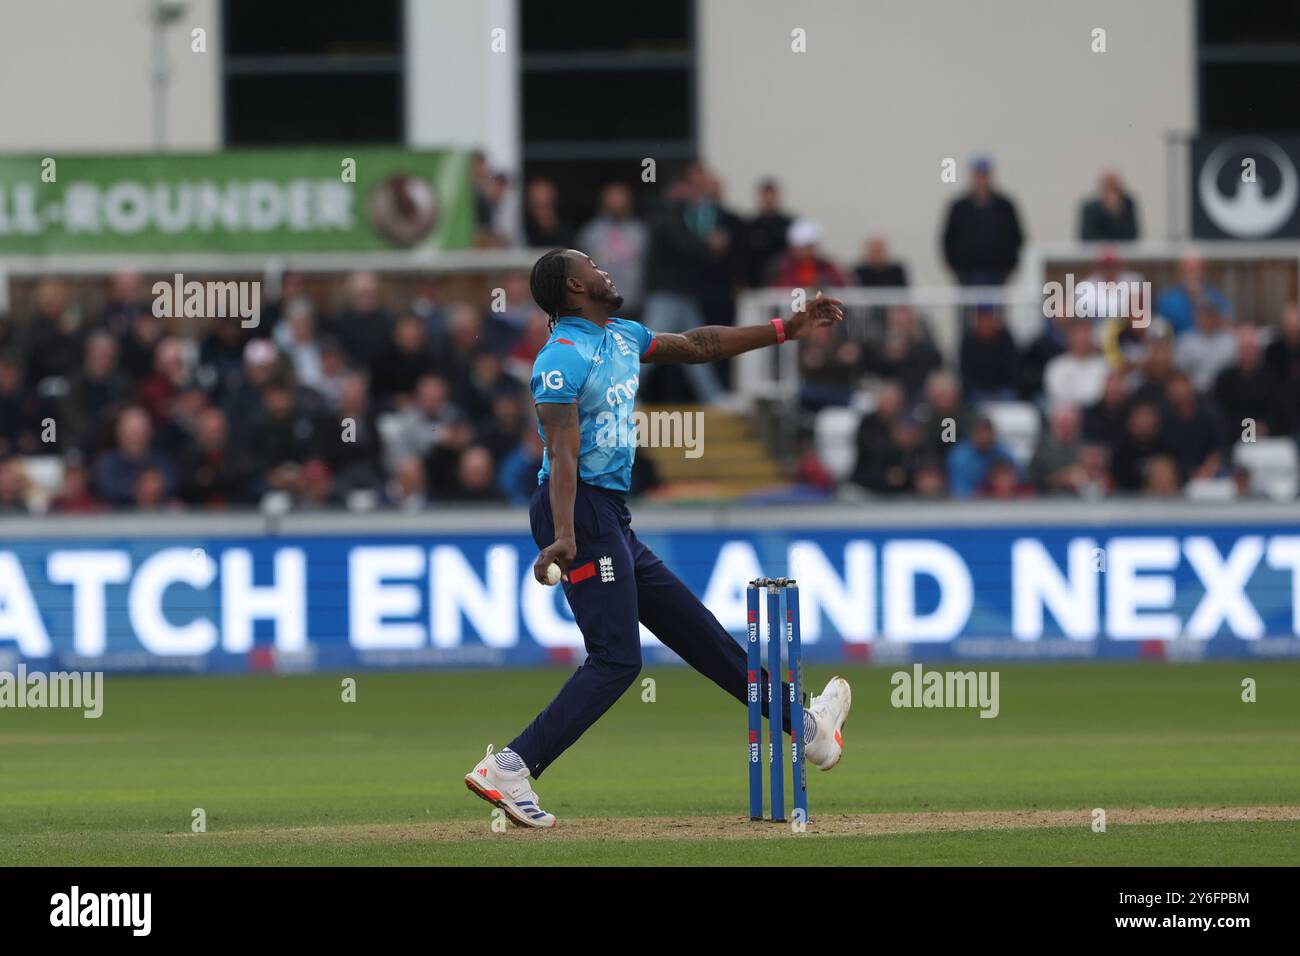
[[773, 374]]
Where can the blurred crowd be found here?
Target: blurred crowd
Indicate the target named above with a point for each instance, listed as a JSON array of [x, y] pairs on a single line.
[[362, 406], [364, 402]]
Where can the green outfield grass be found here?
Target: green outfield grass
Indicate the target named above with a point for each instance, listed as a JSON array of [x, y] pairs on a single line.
[[289, 774]]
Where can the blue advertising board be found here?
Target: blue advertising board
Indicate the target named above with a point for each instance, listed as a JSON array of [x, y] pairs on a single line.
[[335, 601]]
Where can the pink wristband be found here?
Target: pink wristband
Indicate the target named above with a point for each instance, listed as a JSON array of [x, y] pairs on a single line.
[[780, 330]]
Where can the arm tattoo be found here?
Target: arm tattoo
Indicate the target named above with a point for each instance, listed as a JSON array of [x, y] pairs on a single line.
[[707, 344], [696, 346], [555, 416]]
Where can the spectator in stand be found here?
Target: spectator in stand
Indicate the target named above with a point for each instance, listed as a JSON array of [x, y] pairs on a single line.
[[500, 434], [829, 367], [724, 230], [333, 372], [262, 361], [1094, 463], [213, 473], [1111, 215], [1077, 377], [1111, 291], [1142, 441], [475, 477], [504, 324], [283, 436], [949, 421], [982, 236], [1055, 467], [117, 471], [352, 449], [973, 457], [1180, 304], [1049, 343], [1160, 478], [442, 461], [878, 270], [405, 490], [364, 326], [290, 287], [1193, 430], [893, 469], [875, 430], [619, 242], [295, 336], [1106, 421], [1283, 353], [136, 349], [1003, 482], [488, 192], [50, 342], [810, 473], [1249, 389], [400, 365], [802, 266], [20, 411], [152, 492], [126, 300], [503, 226], [413, 430], [1207, 349], [906, 352], [1127, 346], [1148, 384], [73, 496], [485, 378], [683, 246], [99, 391], [13, 487], [170, 375], [990, 364], [764, 235], [316, 490], [544, 228], [519, 363], [221, 359], [930, 480], [517, 473]]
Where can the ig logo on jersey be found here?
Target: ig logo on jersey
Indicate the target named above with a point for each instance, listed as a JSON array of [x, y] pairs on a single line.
[[553, 379]]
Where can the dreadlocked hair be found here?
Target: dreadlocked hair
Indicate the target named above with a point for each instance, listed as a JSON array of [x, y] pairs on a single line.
[[547, 283]]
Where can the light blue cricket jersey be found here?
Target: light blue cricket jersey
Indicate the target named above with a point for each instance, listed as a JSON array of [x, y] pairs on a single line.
[[599, 370]]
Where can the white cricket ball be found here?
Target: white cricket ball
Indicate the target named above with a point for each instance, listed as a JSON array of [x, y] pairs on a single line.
[[553, 574]]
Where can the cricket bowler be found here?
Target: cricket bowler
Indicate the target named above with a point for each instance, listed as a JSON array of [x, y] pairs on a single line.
[[584, 378]]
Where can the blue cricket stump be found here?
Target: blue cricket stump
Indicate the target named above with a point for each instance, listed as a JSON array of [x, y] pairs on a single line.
[[776, 750], [794, 656], [782, 610], [753, 694]]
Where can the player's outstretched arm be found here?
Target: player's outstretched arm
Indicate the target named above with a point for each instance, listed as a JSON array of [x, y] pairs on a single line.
[[560, 427], [709, 343]]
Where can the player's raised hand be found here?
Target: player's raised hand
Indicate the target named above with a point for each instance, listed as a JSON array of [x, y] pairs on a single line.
[[817, 312]]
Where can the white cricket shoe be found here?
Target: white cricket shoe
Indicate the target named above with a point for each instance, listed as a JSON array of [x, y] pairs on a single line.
[[509, 790], [830, 710]]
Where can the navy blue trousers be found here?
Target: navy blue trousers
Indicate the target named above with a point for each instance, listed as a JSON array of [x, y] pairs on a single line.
[[615, 582]]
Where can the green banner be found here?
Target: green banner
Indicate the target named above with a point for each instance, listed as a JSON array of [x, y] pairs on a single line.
[[272, 201]]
